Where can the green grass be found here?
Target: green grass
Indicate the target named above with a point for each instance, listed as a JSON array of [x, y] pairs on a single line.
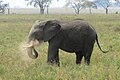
[[15, 28]]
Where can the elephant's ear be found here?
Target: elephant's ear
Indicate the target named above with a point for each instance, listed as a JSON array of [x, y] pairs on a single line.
[[50, 29]]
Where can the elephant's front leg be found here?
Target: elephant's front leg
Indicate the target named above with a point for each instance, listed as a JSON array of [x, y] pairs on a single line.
[[53, 56]]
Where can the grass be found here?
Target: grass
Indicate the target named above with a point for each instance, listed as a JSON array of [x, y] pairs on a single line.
[[15, 28]]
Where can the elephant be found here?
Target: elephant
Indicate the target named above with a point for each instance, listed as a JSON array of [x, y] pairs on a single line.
[[73, 36]]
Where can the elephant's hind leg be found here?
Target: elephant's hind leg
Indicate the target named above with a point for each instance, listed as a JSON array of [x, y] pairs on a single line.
[[88, 53], [87, 57], [79, 56], [88, 48]]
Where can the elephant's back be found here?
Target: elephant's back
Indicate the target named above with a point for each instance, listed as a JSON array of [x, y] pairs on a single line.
[[77, 27], [73, 23]]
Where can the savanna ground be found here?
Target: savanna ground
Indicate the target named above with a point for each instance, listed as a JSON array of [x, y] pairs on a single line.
[[15, 64]]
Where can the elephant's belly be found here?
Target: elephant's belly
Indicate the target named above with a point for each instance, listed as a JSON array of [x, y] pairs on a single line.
[[71, 46]]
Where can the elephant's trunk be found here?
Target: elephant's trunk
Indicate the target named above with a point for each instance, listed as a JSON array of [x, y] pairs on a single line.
[[32, 53]]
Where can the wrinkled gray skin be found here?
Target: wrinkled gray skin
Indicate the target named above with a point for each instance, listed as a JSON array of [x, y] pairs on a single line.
[[71, 36]]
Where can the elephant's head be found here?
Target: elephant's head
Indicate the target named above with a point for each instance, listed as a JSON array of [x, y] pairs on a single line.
[[41, 32]]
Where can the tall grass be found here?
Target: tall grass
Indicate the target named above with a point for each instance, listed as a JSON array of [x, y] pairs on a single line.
[[15, 28]]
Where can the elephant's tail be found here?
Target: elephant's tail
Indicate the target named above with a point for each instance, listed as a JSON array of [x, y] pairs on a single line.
[[99, 45]]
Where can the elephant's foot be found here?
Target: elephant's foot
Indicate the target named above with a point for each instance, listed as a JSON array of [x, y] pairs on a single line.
[[87, 62], [54, 63], [78, 63]]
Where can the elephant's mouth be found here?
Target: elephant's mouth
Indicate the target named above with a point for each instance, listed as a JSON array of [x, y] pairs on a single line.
[[32, 53]]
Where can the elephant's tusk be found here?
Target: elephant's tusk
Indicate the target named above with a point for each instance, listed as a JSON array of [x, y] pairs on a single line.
[[33, 43], [28, 45]]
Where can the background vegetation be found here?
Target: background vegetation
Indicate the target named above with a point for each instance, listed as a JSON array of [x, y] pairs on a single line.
[[14, 64]]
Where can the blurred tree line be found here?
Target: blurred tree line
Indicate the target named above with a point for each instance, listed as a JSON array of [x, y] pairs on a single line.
[[77, 5]]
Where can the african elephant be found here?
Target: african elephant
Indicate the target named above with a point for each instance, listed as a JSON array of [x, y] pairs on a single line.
[[71, 36]]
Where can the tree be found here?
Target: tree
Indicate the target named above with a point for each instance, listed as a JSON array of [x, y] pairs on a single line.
[[117, 0], [3, 7], [105, 4], [42, 4], [75, 4], [90, 5]]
